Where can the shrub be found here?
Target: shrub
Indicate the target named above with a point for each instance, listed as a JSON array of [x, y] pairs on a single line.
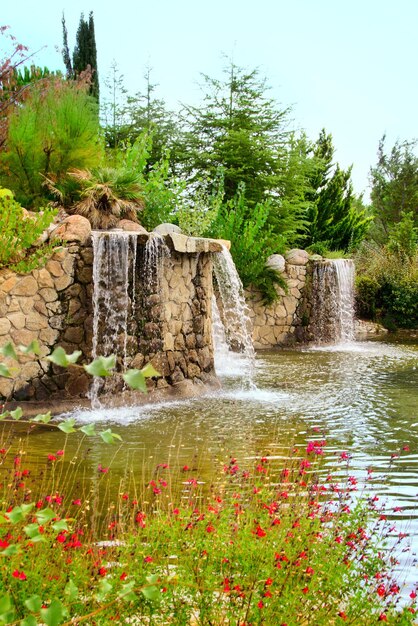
[[54, 130], [252, 242], [19, 232]]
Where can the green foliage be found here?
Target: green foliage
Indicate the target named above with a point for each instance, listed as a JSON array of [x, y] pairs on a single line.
[[53, 131], [403, 237], [162, 194], [387, 284], [19, 232], [394, 182], [334, 218], [252, 242], [196, 213]]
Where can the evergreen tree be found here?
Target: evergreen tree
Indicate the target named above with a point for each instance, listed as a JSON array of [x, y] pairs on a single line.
[[114, 112], [334, 219], [148, 114], [85, 53], [394, 183], [65, 50]]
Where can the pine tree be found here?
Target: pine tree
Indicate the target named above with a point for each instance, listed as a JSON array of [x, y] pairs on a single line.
[[85, 53], [334, 219]]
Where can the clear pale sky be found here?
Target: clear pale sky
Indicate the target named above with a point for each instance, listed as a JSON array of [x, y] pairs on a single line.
[[350, 67]]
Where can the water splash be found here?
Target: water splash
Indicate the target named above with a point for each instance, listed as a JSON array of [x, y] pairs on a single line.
[[332, 314], [234, 311], [156, 251], [112, 252]]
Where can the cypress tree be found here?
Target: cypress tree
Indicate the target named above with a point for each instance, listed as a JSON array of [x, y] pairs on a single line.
[[85, 53]]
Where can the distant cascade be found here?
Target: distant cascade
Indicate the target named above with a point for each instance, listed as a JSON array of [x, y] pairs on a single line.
[[234, 311], [332, 314], [112, 302]]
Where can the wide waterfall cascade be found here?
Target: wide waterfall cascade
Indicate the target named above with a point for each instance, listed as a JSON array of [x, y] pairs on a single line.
[[332, 313], [113, 273], [234, 313]]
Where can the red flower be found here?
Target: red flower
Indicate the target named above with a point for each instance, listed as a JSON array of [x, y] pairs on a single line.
[[383, 618], [60, 453], [102, 571], [52, 458], [413, 595], [305, 590], [381, 591], [260, 604], [309, 571], [77, 502], [260, 532], [102, 470], [123, 576], [148, 559], [210, 528], [19, 575], [342, 615]]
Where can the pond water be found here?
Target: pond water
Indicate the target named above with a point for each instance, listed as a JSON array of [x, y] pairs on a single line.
[[362, 397]]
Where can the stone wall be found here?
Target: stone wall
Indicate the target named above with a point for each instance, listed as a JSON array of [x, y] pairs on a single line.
[[278, 324], [170, 327]]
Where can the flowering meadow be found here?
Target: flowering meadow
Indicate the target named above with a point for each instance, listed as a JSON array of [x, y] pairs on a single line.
[[265, 541]]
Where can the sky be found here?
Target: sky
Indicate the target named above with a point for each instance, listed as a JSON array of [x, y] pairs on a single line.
[[347, 66]]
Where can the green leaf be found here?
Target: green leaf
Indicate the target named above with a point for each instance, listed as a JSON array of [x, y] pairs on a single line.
[[135, 379], [34, 603], [4, 371], [101, 366], [104, 588], [152, 579], [151, 593], [88, 429], [61, 525], [109, 437], [32, 530], [11, 550], [27, 508], [67, 426], [17, 413], [71, 591], [8, 351], [33, 348], [15, 515], [42, 417], [45, 515], [6, 603], [149, 371], [60, 357], [29, 621], [53, 615], [126, 593], [5, 414]]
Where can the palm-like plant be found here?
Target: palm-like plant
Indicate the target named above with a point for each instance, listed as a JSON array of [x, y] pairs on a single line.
[[106, 195]]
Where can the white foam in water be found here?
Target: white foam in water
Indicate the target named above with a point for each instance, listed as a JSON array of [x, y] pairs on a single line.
[[227, 363]]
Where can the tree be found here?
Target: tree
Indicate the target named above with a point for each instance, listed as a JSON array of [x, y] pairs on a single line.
[[335, 219], [239, 129], [148, 114], [114, 112], [54, 130], [394, 182], [84, 54], [65, 50]]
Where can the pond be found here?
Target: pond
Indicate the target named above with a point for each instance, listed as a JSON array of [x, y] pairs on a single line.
[[361, 397]]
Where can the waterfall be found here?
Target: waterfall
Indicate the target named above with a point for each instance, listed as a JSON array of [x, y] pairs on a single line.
[[156, 251], [112, 303], [332, 313], [234, 310]]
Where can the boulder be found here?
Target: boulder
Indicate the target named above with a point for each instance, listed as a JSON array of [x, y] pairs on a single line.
[[73, 228], [297, 257], [276, 262], [166, 229], [131, 226]]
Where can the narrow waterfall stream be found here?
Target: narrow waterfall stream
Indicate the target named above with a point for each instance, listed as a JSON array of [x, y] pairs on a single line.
[[332, 314], [111, 298], [234, 313]]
